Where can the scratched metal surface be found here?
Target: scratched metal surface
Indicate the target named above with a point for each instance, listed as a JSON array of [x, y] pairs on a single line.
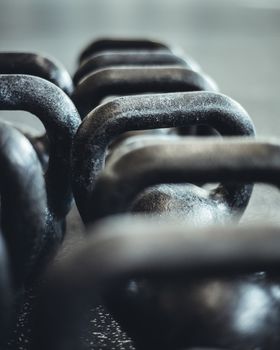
[[236, 42]]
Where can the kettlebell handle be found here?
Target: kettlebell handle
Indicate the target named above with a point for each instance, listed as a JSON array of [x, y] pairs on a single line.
[[106, 44], [108, 121], [60, 119], [240, 161], [136, 80], [129, 248], [37, 65], [130, 58], [174, 249]]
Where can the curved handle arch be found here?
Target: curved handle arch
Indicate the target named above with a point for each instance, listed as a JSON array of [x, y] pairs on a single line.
[[35, 64], [106, 44], [61, 120], [130, 58], [239, 162], [43, 67], [108, 121], [136, 80]]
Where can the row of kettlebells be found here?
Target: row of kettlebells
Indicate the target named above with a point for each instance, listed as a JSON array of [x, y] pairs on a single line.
[[128, 155], [171, 286], [176, 97]]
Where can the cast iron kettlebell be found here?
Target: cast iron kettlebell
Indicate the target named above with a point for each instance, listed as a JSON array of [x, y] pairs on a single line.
[[136, 80], [61, 120], [38, 65], [110, 120], [169, 285], [42, 67], [110, 44], [130, 58]]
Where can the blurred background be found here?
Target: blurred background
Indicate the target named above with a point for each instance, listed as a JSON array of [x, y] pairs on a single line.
[[236, 42]]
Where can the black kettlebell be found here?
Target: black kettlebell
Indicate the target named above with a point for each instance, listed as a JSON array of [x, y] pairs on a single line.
[[154, 185], [173, 287], [61, 120], [130, 58], [23, 221], [136, 80], [169, 285], [38, 65], [108, 121], [42, 67], [112, 44]]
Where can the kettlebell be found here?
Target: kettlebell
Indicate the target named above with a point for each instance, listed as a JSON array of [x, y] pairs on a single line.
[[169, 285], [38, 65], [61, 120], [43, 67], [23, 202], [112, 44], [136, 80], [130, 58], [108, 121]]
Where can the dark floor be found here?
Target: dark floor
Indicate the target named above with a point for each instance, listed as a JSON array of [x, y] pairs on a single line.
[[236, 42]]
